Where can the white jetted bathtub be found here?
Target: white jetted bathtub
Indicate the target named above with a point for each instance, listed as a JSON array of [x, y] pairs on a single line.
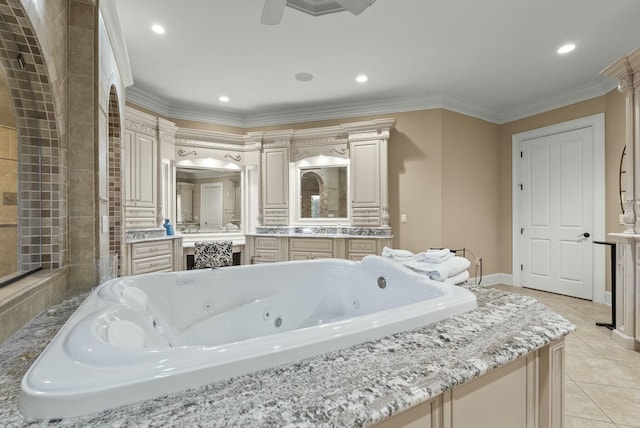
[[139, 337]]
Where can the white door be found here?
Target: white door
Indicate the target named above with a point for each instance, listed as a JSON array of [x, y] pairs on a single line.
[[557, 213], [210, 205]]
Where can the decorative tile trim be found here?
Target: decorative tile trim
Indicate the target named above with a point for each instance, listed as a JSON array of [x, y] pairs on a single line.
[[115, 176]]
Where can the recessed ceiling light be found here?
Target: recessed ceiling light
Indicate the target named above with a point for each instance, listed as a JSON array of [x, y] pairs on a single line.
[[566, 48], [223, 98], [304, 77], [362, 78], [157, 28]]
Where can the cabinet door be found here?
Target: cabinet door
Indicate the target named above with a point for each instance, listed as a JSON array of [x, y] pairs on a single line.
[[146, 171], [129, 162], [365, 174], [275, 170], [497, 399]]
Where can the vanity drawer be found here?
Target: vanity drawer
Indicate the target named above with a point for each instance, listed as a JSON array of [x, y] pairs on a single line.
[[367, 246], [139, 212], [267, 256], [152, 264], [320, 245], [151, 249], [267, 243], [366, 212]]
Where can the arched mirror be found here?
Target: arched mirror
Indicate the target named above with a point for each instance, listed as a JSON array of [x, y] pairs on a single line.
[[322, 190]]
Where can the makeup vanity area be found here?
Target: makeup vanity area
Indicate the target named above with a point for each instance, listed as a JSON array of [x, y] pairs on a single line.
[[277, 195]]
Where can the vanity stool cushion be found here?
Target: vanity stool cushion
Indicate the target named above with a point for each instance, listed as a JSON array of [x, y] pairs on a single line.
[[211, 254]]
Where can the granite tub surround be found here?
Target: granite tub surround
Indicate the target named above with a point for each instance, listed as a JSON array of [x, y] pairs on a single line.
[[357, 386]]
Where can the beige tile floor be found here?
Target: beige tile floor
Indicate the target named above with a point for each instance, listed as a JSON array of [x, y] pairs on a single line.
[[603, 379]]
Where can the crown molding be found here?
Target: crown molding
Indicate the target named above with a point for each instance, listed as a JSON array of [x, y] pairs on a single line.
[[148, 100], [109, 14], [601, 86], [453, 103]]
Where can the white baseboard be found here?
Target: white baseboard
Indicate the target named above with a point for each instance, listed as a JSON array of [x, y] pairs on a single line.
[[493, 279], [507, 279]]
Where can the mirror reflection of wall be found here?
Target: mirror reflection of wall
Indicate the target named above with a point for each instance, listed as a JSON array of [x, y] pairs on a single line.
[[207, 200], [323, 192], [8, 181]]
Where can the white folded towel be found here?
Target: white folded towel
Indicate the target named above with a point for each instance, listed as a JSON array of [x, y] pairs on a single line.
[[429, 257], [440, 271], [437, 253], [397, 255], [458, 279]]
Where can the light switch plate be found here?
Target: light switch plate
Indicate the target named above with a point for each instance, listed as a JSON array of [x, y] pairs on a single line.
[[403, 218], [105, 223]]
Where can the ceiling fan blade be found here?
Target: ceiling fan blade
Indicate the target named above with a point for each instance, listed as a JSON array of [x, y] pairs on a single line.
[[355, 6], [273, 11]]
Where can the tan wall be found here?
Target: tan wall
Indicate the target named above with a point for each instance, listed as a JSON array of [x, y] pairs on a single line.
[[470, 183], [614, 144]]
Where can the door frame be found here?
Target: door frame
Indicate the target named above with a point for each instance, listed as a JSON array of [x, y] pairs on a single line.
[[596, 123]]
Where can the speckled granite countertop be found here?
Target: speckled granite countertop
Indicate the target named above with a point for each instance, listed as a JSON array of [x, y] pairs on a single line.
[[318, 235], [356, 386]]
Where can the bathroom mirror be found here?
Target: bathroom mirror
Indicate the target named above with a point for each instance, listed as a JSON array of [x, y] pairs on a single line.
[[208, 200], [322, 190]]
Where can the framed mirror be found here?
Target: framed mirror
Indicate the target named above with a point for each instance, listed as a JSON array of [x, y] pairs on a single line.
[[322, 190], [208, 200]]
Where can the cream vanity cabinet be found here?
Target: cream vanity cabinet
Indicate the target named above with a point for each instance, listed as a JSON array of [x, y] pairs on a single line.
[[359, 248], [311, 248], [275, 186], [158, 255], [358, 147], [140, 179], [268, 249], [265, 249], [365, 183]]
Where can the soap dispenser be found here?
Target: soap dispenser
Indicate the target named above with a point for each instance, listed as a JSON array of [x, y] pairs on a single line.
[[169, 228]]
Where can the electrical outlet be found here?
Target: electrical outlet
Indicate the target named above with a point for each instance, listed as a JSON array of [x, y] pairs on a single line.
[[621, 219], [403, 218]]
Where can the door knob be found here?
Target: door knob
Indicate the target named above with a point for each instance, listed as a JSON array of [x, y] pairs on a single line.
[[584, 235]]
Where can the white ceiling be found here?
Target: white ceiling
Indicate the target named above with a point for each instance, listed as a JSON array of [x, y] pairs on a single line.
[[493, 59]]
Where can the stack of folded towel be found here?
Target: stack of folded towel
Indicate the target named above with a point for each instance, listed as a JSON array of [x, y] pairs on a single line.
[[440, 265], [434, 256], [397, 255]]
